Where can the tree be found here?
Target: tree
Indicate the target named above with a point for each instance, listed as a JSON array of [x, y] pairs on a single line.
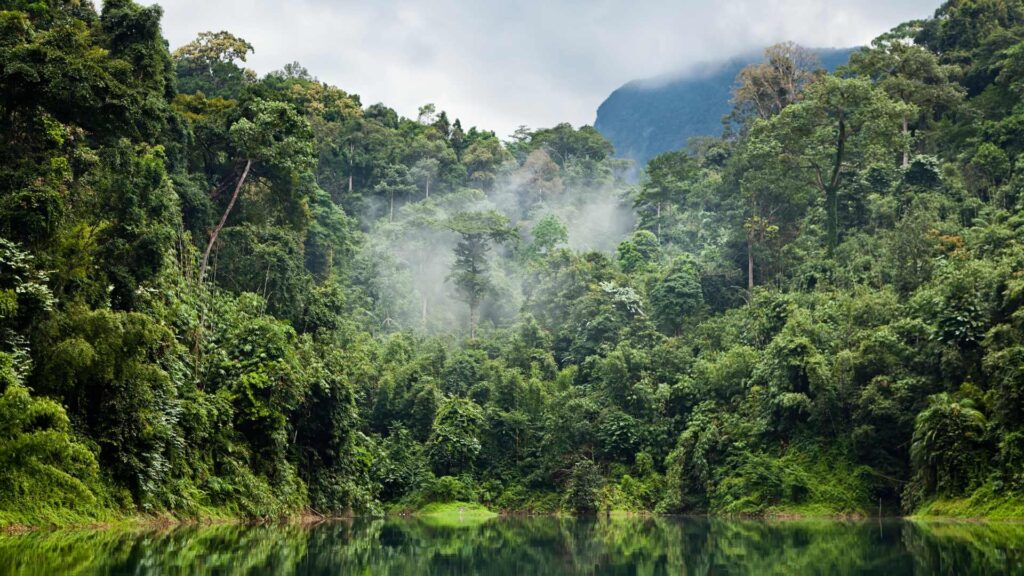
[[909, 73], [25, 298], [758, 230], [639, 252], [275, 141], [209, 64], [140, 206], [482, 158], [325, 435], [772, 198], [548, 234], [566, 144], [989, 168], [676, 298], [947, 448], [582, 495], [537, 183], [108, 368], [841, 127], [471, 270], [763, 90], [668, 179], [260, 370], [427, 114], [209, 48], [73, 83], [969, 34], [454, 438], [395, 182], [424, 173]]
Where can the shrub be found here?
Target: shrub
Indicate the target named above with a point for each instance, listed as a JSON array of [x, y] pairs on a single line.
[[582, 495]]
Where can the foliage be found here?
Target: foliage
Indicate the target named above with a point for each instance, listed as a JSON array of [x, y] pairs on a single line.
[[225, 294], [453, 444], [583, 491], [47, 473]]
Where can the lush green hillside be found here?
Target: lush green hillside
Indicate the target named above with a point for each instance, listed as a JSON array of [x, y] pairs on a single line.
[[644, 118], [224, 294]]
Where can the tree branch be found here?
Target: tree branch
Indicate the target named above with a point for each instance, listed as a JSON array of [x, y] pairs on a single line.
[[223, 220]]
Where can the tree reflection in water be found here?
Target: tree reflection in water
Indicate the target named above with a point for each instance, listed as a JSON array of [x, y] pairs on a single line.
[[642, 546]]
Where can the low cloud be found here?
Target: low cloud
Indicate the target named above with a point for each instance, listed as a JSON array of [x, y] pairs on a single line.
[[536, 62]]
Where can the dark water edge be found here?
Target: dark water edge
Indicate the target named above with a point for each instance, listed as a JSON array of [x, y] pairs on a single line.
[[544, 545]]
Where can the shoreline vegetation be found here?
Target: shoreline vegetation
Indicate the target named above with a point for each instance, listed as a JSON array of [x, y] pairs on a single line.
[[227, 296], [454, 513]]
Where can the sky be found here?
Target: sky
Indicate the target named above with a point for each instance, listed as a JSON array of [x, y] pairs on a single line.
[[498, 64]]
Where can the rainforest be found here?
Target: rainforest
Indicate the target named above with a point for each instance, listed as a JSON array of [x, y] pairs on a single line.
[[241, 296]]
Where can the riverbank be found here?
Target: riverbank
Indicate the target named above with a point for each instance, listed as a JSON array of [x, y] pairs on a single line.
[[982, 505], [157, 521], [461, 513]]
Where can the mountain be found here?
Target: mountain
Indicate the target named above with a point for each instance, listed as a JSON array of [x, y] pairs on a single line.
[[646, 117]]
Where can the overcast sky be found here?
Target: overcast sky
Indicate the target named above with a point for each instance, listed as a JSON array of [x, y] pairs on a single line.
[[498, 64]]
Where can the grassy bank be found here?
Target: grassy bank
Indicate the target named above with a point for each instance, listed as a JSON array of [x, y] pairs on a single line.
[[18, 522], [985, 503], [982, 506]]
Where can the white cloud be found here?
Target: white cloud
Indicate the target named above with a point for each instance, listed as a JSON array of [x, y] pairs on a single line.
[[498, 64]]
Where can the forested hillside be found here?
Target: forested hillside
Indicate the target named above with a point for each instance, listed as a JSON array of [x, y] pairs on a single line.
[[644, 118], [224, 294]]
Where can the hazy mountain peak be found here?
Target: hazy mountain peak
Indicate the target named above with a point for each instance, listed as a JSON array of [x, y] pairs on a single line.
[[648, 116]]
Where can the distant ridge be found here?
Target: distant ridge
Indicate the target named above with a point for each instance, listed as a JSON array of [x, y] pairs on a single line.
[[644, 118]]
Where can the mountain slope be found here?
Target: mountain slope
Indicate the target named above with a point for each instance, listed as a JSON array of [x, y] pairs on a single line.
[[646, 117]]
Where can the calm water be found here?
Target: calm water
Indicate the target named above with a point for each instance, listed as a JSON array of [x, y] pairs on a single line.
[[528, 546]]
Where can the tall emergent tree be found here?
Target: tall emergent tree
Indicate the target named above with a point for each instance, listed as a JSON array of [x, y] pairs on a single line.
[[840, 129], [471, 270], [764, 89], [276, 141]]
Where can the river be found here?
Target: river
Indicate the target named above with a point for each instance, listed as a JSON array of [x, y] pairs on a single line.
[[523, 546]]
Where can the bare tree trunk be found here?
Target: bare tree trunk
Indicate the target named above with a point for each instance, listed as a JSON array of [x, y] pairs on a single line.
[[428, 188], [223, 220], [350, 164], [472, 321], [659, 221], [391, 207]]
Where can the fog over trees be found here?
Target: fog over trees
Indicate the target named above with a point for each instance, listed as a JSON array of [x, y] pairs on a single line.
[[226, 294]]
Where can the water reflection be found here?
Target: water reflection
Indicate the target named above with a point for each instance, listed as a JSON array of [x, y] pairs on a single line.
[[646, 546]]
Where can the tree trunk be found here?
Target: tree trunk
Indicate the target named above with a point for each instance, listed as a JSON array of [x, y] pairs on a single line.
[[391, 207], [223, 220], [350, 164], [428, 188], [659, 221], [906, 142], [750, 261], [472, 320], [832, 226], [832, 189]]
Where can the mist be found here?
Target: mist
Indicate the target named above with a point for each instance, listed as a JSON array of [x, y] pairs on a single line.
[[415, 253], [448, 52]]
